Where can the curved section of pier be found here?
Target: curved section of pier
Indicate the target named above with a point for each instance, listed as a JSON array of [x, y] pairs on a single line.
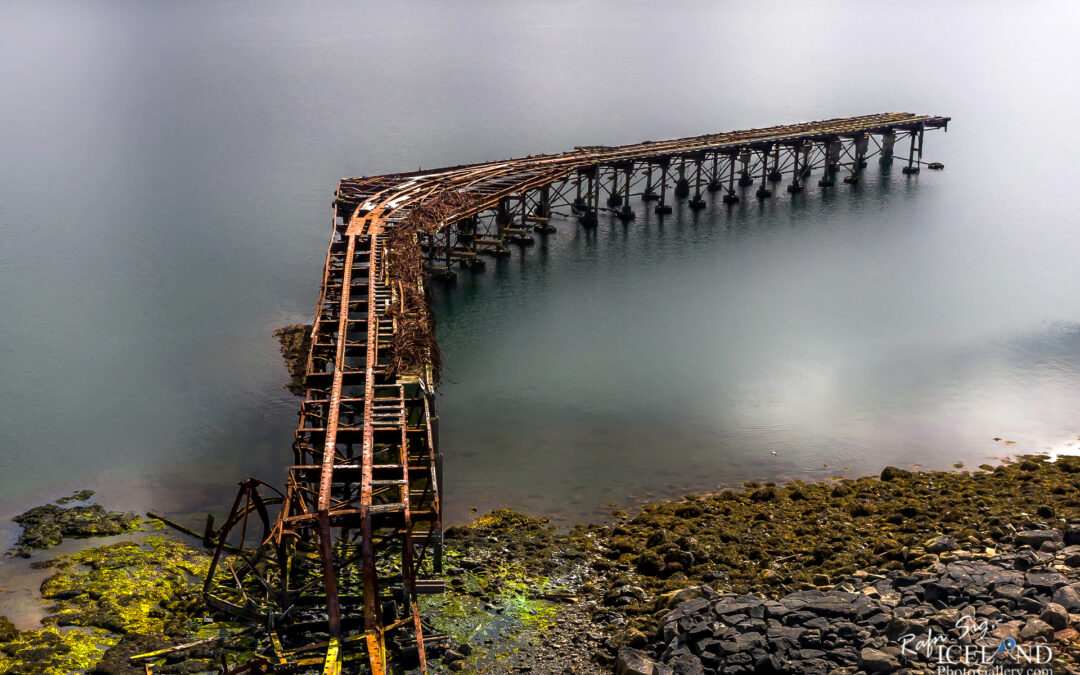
[[358, 534]]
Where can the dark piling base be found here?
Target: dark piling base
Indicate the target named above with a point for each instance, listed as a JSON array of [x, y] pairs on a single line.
[[682, 188], [521, 239], [731, 198], [588, 219], [649, 196], [745, 180], [662, 208], [826, 182], [909, 170], [775, 176], [444, 276], [545, 228], [851, 180], [627, 214], [794, 188], [697, 203], [715, 186], [763, 193], [475, 264], [614, 200]]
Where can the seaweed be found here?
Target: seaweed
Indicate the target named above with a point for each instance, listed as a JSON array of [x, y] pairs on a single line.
[[414, 345]]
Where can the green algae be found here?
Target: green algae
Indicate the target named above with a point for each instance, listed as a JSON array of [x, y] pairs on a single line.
[[128, 587], [499, 601], [53, 651], [103, 596], [502, 598], [7, 630]]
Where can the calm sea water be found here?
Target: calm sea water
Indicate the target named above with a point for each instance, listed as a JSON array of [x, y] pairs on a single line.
[[166, 172]]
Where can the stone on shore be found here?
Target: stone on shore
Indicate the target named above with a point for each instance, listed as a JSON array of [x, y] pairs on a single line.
[[1036, 538], [876, 661], [633, 662]]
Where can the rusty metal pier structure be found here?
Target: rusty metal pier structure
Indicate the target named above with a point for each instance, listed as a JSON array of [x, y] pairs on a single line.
[[335, 574]]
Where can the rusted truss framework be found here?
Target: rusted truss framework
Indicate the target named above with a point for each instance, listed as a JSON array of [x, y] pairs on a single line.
[[335, 574], [518, 196]]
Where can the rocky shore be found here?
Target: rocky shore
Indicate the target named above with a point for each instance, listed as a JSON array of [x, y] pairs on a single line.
[[1011, 610], [880, 574], [818, 577]]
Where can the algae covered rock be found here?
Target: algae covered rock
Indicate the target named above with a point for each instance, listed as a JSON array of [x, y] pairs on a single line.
[[295, 344], [109, 603], [125, 587], [892, 473], [49, 651], [46, 526], [79, 496], [7, 630]]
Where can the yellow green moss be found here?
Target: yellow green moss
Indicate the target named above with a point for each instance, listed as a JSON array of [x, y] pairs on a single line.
[[126, 587], [52, 651]]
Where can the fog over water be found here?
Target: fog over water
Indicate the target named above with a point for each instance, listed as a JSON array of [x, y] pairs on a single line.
[[166, 172]]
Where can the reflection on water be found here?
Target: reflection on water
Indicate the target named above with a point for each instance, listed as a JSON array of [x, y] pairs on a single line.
[[794, 340]]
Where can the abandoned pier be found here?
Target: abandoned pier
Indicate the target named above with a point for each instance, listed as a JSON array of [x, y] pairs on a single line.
[[334, 576]]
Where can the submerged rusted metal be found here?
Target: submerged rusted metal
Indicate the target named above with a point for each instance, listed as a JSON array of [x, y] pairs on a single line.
[[358, 532]]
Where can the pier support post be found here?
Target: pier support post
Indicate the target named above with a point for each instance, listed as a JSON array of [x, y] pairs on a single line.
[[518, 235], [764, 191], [796, 170], [542, 212], [697, 203], [832, 150], [682, 186], [888, 140], [466, 236], [916, 137], [774, 174], [662, 206], [859, 145], [592, 215], [614, 198], [648, 195], [579, 201], [449, 248], [543, 206], [731, 197], [627, 214], [502, 218], [714, 175], [745, 180]]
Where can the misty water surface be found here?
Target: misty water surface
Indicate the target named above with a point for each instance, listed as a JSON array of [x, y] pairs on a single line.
[[167, 171]]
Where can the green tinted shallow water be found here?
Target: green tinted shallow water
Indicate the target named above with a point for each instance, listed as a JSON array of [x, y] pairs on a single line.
[[166, 178]]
